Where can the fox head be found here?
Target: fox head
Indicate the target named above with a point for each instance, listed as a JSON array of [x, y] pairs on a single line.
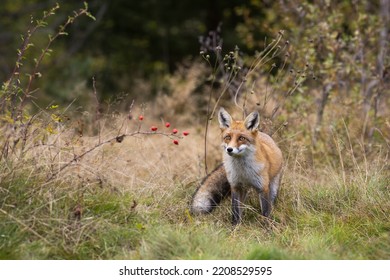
[[238, 136]]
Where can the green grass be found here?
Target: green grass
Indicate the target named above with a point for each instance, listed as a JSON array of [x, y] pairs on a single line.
[[130, 200], [323, 220]]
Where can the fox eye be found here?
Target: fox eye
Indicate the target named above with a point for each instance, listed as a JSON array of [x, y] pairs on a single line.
[[241, 138], [227, 138]]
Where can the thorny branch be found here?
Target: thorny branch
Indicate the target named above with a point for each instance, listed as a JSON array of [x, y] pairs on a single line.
[[119, 138]]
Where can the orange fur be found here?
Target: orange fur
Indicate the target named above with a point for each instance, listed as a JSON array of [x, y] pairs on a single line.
[[251, 160]]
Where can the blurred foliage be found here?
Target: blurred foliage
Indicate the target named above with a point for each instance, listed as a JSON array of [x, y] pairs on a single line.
[[340, 48], [346, 45], [128, 40]]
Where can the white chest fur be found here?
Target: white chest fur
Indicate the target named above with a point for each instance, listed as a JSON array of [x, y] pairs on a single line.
[[244, 171]]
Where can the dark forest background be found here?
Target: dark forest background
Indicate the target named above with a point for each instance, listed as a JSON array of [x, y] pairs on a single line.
[[129, 39], [145, 40]]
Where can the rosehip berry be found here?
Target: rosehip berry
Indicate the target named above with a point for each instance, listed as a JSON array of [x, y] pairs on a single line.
[[153, 128], [175, 142], [141, 117], [167, 124], [185, 133], [174, 131]]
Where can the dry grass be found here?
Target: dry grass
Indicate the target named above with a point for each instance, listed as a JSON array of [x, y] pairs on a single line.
[[104, 196], [130, 200]]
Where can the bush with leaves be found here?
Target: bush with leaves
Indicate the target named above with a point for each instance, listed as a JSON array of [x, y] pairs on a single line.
[[346, 46]]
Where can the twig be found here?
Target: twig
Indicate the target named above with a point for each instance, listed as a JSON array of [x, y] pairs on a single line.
[[97, 113], [128, 116], [118, 138]]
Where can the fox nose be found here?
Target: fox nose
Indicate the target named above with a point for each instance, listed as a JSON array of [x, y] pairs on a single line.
[[229, 149]]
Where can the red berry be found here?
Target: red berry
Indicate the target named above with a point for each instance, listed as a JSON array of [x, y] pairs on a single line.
[[175, 142], [141, 117], [174, 131], [167, 124], [153, 128], [185, 133]]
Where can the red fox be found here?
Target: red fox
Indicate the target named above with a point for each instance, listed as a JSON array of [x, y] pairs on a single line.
[[251, 159]]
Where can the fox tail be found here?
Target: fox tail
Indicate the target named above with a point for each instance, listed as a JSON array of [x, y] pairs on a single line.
[[212, 190]]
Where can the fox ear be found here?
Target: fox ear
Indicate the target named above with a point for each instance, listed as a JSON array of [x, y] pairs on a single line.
[[224, 118], [252, 121]]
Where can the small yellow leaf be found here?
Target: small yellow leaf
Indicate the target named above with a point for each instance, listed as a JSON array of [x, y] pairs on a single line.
[[139, 226], [188, 215]]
